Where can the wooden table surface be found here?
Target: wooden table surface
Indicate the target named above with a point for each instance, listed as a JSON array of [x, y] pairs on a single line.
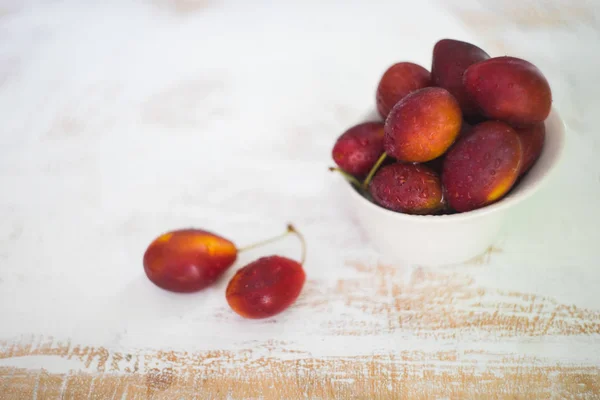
[[121, 120]]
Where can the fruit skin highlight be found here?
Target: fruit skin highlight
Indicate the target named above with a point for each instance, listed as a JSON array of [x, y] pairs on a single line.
[[188, 260], [482, 167], [509, 89], [422, 126], [265, 287], [450, 60], [398, 81], [358, 148], [407, 188]]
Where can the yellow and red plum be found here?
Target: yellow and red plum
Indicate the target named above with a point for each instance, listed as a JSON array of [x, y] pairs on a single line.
[[422, 126], [188, 260], [482, 167]]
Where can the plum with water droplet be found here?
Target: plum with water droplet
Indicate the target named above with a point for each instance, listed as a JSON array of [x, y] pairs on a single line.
[[482, 167], [422, 126], [267, 286], [398, 81], [407, 188], [358, 148], [509, 89], [450, 60]]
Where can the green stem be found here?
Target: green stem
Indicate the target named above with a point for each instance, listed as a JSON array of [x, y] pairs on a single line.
[[264, 242], [365, 184], [302, 242], [346, 175], [290, 230]]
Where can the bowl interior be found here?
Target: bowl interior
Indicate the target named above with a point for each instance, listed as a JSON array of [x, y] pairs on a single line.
[[526, 186]]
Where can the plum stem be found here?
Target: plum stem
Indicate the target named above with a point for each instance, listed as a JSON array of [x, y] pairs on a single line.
[[265, 242], [365, 184], [290, 230], [346, 175]]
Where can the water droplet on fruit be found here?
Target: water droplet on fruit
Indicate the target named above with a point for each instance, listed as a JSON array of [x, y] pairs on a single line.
[[497, 162], [487, 156], [423, 195], [493, 172], [470, 178]]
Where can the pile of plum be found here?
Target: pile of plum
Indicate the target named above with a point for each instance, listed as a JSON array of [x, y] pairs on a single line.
[[451, 140]]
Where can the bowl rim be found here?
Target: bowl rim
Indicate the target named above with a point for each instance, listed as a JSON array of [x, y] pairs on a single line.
[[558, 137]]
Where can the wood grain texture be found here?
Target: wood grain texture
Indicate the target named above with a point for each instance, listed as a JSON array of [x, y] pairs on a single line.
[[339, 378]]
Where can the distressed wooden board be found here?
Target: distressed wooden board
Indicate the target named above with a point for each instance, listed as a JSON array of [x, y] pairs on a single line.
[[364, 378], [192, 112], [461, 340]]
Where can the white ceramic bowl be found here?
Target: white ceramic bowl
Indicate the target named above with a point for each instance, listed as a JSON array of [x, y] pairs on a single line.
[[449, 239]]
